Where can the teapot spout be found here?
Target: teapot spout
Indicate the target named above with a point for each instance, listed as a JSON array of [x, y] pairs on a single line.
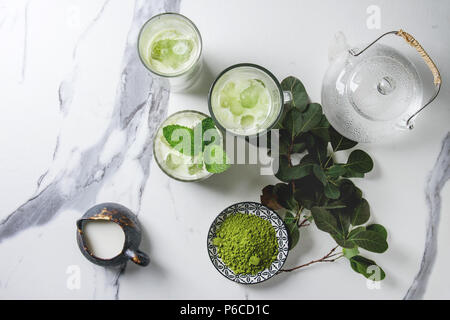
[[338, 46]]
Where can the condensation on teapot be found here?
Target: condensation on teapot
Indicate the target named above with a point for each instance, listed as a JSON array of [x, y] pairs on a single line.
[[338, 47], [367, 95]]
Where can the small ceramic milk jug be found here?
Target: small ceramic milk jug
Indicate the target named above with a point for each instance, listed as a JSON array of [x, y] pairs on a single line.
[[123, 217]]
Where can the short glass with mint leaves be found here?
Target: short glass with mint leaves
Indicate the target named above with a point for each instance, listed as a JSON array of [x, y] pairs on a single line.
[[170, 46], [188, 147]]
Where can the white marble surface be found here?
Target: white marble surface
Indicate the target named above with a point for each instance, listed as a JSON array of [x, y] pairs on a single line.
[[78, 111]]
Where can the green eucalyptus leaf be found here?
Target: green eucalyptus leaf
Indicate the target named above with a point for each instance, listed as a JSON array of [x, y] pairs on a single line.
[[339, 142], [336, 170], [331, 191], [298, 147], [324, 220], [298, 91], [284, 142], [350, 194], [297, 122], [284, 147], [320, 174], [322, 129], [370, 240], [379, 229], [308, 159], [350, 252], [304, 198], [368, 268], [287, 173], [343, 222], [343, 241], [309, 183], [289, 217], [293, 122], [354, 232], [347, 188], [311, 117], [318, 151], [269, 198], [359, 161], [294, 235], [361, 213], [350, 173], [293, 229], [335, 205], [285, 196], [309, 139]]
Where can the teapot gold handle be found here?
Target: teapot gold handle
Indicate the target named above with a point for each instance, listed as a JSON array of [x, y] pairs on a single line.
[[415, 44], [433, 68]]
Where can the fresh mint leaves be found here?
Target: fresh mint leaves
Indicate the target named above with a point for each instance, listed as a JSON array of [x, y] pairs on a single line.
[[317, 189], [216, 159], [180, 138], [209, 132], [204, 139]]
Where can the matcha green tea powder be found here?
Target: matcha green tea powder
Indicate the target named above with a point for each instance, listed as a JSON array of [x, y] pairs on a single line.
[[246, 243]]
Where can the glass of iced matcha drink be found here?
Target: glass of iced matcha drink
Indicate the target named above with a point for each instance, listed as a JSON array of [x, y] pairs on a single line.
[[189, 147], [246, 100], [170, 46]]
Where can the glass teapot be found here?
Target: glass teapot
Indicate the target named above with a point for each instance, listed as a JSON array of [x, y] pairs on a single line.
[[369, 94]]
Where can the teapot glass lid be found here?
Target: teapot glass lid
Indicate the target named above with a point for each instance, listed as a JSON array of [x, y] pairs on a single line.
[[381, 84]]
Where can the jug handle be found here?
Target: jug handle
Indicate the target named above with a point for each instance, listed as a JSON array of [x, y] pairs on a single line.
[[431, 65], [138, 257]]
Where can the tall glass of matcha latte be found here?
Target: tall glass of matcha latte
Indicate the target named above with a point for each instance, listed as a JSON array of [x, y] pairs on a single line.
[[170, 46], [246, 100]]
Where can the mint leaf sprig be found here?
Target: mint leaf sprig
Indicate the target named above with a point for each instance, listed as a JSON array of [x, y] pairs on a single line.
[[318, 189], [203, 141]]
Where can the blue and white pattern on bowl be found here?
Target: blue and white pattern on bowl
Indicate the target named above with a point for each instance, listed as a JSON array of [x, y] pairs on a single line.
[[281, 232]]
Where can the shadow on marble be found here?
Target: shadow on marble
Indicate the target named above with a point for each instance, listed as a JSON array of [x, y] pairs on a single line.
[[145, 247], [249, 174], [202, 85], [303, 247], [149, 274]]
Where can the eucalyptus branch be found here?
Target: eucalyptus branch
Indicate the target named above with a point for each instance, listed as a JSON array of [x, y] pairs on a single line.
[[321, 184], [329, 158], [325, 258], [299, 213], [303, 223]]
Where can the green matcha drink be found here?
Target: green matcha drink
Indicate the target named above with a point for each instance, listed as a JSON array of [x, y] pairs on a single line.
[[189, 147], [170, 46], [246, 100]]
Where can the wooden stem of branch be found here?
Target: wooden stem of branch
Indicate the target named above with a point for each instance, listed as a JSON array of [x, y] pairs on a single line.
[[325, 258]]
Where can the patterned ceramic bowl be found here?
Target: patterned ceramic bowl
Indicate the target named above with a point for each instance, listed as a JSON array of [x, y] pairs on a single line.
[[259, 210]]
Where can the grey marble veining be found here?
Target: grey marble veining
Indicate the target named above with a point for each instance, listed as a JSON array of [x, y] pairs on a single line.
[[25, 42], [65, 90], [88, 28], [139, 95], [112, 163], [141, 100], [107, 285], [436, 181]]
